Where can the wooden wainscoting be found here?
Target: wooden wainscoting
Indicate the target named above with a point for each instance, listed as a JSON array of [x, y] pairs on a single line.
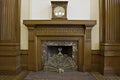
[[9, 58], [96, 60], [111, 58], [24, 59], [10, 36], [109, 11], [106, 64]]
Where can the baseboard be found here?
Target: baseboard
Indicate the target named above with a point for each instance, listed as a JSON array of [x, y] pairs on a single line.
[[24, 59], [11, 72], [96, 60]]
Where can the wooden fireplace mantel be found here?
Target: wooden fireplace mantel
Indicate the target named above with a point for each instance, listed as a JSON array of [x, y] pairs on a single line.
[[88, 23], [78, 30]]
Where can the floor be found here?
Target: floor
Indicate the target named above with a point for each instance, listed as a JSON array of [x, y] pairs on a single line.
[[98, 76], [20, 76], [23, 74], [69, 75]]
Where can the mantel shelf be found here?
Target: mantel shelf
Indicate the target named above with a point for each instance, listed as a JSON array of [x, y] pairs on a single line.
[[87, 23]]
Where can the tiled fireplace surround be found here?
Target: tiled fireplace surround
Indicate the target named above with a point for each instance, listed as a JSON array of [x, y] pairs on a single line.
[[76, 33]]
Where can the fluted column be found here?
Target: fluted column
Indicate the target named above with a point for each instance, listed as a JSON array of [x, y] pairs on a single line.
[[109, 35], [9, 20], [10, 36], [110, 16]]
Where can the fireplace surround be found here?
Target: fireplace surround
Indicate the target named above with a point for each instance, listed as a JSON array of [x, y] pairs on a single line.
[[49, 48], [75, 33]]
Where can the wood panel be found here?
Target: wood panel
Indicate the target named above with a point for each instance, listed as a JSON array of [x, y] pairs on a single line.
[[109, 22], [0, 16], [112, 64], [9, 16], [96, 60], [9, 58], [87, 50], [85, 23], [24, 59], [10, 36], [112, 20], [110, 61], [109, 35]]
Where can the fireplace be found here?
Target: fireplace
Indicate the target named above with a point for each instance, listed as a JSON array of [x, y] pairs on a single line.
[[68, 49], [72, 36], [53, 50]]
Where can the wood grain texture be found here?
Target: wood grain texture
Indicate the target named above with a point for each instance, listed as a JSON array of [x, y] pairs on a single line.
[[10, 25], [79, 30], [10, 36], [109, 21], [88, 23], [109, 35], [24, 59], [96, 60], [0, 16]]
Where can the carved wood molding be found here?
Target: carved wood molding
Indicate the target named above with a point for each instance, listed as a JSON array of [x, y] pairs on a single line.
[[88, 23], [10, 20], [95, 52], [109, 21], [60, 30], [10, 36], [110, 46]]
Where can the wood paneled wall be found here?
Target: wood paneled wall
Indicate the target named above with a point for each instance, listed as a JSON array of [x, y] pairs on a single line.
[[24, 59], [112, 18], [96, 60], [0, 16], [109, 35], [110, 21], [10, 36], [9, 20]]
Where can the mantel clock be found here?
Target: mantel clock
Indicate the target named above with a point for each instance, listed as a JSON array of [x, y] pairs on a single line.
[[59, 10]]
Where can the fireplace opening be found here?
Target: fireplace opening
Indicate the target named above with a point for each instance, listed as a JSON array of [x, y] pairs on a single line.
[[60, 59], [53, 50], [59, 55]]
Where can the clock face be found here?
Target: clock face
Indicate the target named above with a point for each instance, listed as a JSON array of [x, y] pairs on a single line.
[[59, 11]]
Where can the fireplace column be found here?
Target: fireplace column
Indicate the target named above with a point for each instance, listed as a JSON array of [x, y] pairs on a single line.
[[87, 49]]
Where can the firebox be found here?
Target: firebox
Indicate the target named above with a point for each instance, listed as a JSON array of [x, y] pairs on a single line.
[[53, 50], [60, 59]]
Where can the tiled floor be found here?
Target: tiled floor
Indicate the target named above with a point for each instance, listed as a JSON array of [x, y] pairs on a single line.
[[97, 75]]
